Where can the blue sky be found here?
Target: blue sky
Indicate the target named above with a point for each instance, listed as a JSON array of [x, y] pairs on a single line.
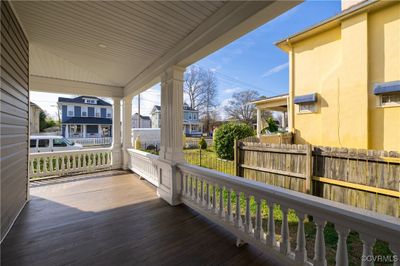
[[251, 62]]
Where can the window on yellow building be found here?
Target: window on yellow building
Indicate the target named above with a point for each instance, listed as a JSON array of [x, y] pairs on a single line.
[[307, 108], [390, 99]]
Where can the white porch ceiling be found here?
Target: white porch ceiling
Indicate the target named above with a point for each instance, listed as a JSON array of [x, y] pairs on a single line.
[[135, 33], [140, 38]]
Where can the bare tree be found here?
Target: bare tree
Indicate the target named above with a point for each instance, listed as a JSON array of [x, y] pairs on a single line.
[[201, 87], [240, 107]]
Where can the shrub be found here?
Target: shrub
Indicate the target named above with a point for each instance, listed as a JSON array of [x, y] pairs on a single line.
[[225, 136], [202, 143], [272, 126]]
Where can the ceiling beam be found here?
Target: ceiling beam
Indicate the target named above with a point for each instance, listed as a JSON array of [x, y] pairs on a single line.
[[230, 22], [52, 85]]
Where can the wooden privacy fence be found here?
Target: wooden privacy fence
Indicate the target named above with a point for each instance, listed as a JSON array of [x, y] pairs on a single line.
[[362, 178]]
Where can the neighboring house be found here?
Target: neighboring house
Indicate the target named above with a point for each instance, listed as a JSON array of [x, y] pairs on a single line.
[[191, 120], [34, 118], [345, 79], [145, 121], [85, 117], [155, 116]]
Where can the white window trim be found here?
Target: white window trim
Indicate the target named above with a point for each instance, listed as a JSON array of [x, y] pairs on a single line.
[[84, 109], [97, 110], [70, 108]]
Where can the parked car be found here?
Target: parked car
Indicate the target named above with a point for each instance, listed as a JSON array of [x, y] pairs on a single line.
[[52, 143]]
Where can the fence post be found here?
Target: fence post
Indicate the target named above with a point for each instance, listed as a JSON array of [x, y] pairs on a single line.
[[236, 157], [309, 171]]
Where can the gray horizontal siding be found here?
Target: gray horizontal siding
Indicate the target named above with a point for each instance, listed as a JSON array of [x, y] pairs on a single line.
[[14, 117]]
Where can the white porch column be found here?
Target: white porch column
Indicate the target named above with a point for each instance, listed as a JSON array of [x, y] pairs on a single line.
[[126, 129], [116, 134], [259, 122], [84, 131], [66, 131], [171, 133], [283, 122]]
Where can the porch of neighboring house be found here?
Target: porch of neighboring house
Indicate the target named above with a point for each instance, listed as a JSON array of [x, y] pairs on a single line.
[[192, 215], [114, 218], [73, 131]]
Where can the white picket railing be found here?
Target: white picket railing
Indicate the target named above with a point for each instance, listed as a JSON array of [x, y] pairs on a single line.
[[93, 141], [44, 164], [201, 191], [145, 165]]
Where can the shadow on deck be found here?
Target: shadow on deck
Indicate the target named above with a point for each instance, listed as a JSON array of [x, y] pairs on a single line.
[[113, 218]]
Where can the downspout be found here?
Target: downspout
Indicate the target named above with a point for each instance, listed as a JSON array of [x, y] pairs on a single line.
[[291, 88]]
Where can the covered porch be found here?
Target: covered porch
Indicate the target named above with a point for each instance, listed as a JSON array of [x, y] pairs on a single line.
[[191, 215]]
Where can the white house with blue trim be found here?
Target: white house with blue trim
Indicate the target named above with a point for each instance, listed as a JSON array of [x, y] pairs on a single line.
[[85, 117]]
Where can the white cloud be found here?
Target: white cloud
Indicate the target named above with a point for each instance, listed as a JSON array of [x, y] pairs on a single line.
[[276, 69], [231, 90]]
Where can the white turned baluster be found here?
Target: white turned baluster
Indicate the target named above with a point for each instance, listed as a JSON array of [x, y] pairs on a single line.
[[368, 245], [185, 183], [285, 242], [301, 252], [191, 186], [201, 200], [214, 199], [31, 167], [68, 163], [221, 202], [207, 196], [51, 168], [396, 254], [73, 162], [196, 189], [45, 165], [229, 215], [238, 217], [183, 189], [258, 232], [248, 226], [58, 164], [319, 256], [271, 225], [84, 161], [62, 166], [341, 251]]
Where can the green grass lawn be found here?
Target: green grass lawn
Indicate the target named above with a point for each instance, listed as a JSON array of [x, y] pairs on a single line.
[[209, 159]]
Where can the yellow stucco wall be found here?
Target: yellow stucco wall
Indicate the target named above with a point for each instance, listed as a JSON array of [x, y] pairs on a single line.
[[341, 65], [384, 66]]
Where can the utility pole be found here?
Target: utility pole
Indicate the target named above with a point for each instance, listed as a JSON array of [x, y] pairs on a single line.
[[139, 111]]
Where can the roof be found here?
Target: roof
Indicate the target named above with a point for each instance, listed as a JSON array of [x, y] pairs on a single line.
[[81, 99], [143, 116], [188, 108], [35, 105], [331, 22], [88, 120], [272, 98], [156, 108]]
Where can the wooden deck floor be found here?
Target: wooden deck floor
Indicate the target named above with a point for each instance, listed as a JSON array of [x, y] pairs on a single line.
[[113, 218]]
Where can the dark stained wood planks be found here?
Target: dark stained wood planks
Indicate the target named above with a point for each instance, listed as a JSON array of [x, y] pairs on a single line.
[[113, 218]]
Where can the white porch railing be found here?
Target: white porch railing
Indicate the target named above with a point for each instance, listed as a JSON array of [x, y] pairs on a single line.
[[93, 141], [145, 165], [45, 164], [201, 191]]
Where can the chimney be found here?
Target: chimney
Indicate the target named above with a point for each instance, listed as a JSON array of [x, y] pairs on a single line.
[[346, 4]]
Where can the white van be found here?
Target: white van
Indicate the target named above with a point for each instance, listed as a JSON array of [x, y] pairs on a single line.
[[52, 143]]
